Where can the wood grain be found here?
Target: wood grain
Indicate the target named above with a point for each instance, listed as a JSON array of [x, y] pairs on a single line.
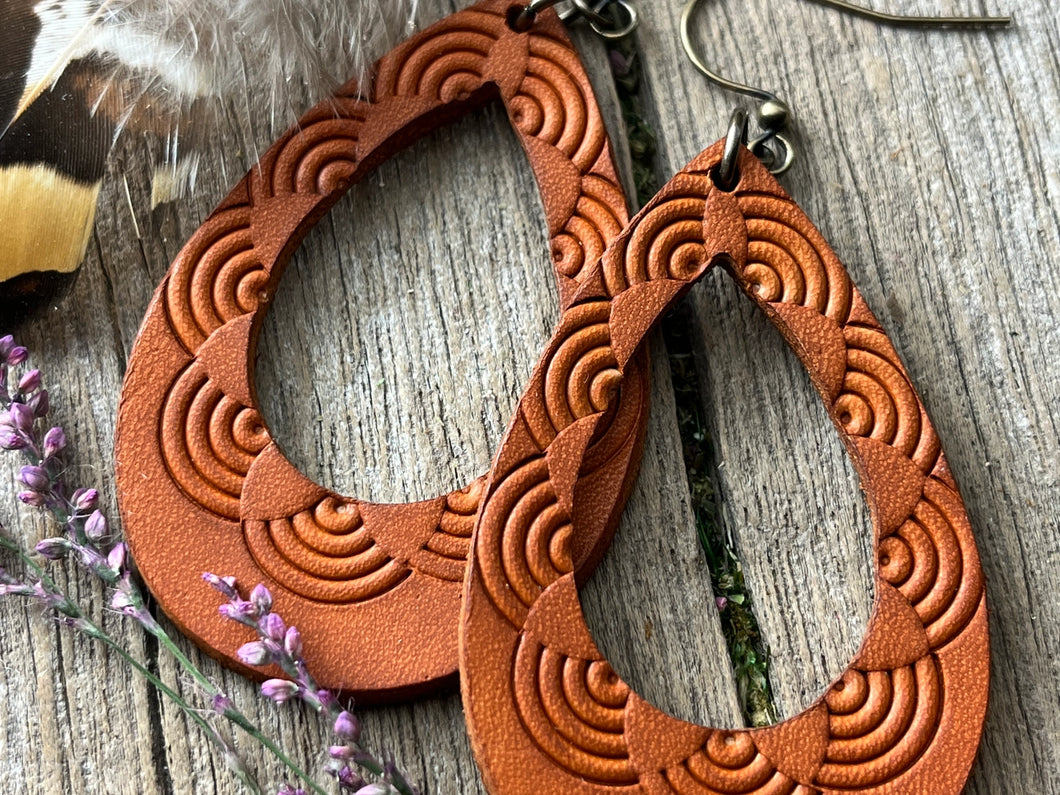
[[929, 161]]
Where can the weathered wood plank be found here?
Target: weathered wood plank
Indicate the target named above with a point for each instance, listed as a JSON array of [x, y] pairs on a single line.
[[959, 259], [400, 339], [930, 166]]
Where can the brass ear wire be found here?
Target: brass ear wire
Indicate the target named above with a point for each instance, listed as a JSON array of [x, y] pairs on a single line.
[[773, 114]]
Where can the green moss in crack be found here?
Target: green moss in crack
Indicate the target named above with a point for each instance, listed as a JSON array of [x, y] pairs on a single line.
[[750, 658], [749, 655]]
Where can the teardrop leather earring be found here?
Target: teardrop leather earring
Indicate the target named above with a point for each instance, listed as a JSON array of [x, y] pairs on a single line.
[[545, 710], [202, 485]]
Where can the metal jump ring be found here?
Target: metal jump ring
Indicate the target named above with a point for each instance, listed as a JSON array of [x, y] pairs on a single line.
[[727, 175], [601, 25], [768, 155]]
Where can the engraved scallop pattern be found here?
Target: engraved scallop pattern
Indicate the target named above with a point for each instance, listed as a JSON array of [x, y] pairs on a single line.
[[906, 715], [208, 431]]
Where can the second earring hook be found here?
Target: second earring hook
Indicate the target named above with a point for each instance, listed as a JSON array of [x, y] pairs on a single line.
[[773, 148]]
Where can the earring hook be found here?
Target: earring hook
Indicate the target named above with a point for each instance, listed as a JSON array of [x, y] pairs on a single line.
[[773, 113]]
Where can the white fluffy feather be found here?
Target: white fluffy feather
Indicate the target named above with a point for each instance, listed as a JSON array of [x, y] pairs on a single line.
[[167, 57]]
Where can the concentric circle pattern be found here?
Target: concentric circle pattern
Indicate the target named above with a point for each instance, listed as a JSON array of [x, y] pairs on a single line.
[[202, 485], [546, 712]]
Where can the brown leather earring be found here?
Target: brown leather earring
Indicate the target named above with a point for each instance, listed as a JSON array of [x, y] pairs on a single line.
[[202, 485], [546, 712]]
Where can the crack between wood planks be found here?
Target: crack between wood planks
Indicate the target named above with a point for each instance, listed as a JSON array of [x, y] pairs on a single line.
[[747, 651]]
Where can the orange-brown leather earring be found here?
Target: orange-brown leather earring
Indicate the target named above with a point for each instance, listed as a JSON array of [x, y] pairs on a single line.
[[546, 712], [203, 486]]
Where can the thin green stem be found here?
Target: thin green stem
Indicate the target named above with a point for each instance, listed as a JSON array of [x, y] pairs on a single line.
[[231, 714]]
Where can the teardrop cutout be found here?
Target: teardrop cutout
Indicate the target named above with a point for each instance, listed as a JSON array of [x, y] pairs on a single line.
[[546, 712], [202, 484]]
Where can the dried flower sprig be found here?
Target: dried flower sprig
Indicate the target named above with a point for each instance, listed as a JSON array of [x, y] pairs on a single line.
[[281, 645], [87, 541]]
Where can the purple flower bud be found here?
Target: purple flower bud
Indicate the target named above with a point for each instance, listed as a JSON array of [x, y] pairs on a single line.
[[279, 690], [326, 698], [54, 442], [220, 703], [261, 597], [286, 789], [348, 726], [721, 602], [226, 585], [34, 478], [254, 653], [32, 498], [292, 642], [238, 610], [15, 589], [85, 499], [349, 779], [40, 404], [376, 789], [17, 355], [121, 601], [7, 342], [273, 627], [11, 440], [21, 417], [30, 382], [96, 526], [116, 556], [53, 548], [340, 752]]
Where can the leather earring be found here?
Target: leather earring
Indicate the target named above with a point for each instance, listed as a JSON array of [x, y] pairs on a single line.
[[545, 710], [202, 484]]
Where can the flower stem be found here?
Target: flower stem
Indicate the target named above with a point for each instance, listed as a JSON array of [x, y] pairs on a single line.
[[93, 630]]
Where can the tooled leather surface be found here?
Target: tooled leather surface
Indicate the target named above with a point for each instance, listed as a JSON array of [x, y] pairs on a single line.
[[546, 712], [203, 486]]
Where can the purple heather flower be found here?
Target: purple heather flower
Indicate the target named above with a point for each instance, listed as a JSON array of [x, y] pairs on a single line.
[[238, 610], [261, 597], [32, 498], [96, 526], [226, 585], [221, 703], [7, 342], [85, 499], [121, 601], [721, 602], [53, 548], [35, 478], [21, 417], [16, 355], [292, 642], [274, 627], [40, 404], [116, 557], [54, 442], [377, 789], [30, 382], [348, 727], [341, 752], [11, 439], [254, 653], [279, 690]]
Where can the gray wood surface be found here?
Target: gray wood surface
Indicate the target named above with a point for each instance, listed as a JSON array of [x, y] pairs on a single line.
[[404, 329]]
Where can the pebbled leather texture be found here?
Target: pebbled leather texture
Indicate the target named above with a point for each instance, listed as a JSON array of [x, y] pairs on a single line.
[[202, 486], [545, 710]]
